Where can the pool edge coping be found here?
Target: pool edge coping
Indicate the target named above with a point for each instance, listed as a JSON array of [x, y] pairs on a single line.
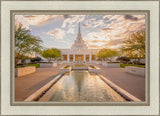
[[40, 91], [115, 87]]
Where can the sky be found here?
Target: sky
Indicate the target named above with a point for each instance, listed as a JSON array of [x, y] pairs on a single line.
[[98, 31]]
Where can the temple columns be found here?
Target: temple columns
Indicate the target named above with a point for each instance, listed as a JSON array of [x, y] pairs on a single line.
[[68, 58], [90, 57], [84, 57], [73, 57]]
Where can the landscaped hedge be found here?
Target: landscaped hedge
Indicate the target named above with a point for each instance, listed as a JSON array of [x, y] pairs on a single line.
[[124, 65], [36, 65]]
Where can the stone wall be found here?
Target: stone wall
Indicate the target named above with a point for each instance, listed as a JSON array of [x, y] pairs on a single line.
[[54, 64], [24, 71], [95, 70], [111, 65], [65, 70], [47, 65], [135, 70]]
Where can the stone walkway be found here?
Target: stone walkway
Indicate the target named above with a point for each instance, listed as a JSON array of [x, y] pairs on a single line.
[[131, 83], [26, 85]]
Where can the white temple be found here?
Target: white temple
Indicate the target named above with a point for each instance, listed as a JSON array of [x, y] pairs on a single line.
[[79, 51]]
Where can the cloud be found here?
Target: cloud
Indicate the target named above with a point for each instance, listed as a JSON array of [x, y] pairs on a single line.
[[92, 46], [73, 19], [19, 19], [37, 19], [71, 30], [93, 23], [130, 17], [113, 33], [107, 16], [99, 30], [106, 29], [98, 23], [66, 16], [89, 22], [115, 42], [122, 25], [57, 33], [84, 25], [96, 39], [27, 20]]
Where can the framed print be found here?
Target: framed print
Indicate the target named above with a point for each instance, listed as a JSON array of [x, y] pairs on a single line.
[[80, 58]]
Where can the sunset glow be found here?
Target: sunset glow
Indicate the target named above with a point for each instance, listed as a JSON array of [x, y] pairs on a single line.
[[98, 31]]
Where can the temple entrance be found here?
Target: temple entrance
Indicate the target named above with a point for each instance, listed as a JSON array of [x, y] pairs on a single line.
[[79, 57], [64, 57], [87, 58], [71, 58], [93, 57]]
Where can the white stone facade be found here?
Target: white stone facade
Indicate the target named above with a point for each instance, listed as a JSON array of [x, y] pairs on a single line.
[[79, 51]]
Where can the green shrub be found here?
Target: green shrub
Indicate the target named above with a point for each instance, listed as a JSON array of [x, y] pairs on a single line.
[[36, 65], [124, 65]]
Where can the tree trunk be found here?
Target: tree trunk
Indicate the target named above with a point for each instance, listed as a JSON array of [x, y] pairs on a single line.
[[138, 60], [17, 60]]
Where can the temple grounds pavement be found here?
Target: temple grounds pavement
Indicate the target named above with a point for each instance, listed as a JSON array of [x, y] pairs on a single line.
[[26, 85]]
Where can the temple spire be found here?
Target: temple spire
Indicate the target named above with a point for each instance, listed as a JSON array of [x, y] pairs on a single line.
[[79, 42], [79, 30]]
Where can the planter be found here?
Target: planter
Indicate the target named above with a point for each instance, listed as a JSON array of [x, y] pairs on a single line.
[[65, 70], [54, 64], [135, 70], [95, 70], [24, 71], [79, 68], [112, 65], [46, 65]]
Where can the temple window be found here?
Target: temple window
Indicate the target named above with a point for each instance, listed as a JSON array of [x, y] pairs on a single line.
[[79, 41]]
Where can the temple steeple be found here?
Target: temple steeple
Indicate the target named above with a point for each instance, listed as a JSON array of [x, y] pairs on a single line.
[[79, 43], [79, 30]]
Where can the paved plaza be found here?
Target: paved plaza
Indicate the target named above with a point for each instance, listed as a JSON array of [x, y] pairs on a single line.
[[26, 85], [133, 84]]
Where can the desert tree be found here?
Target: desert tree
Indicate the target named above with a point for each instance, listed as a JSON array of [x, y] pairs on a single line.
[[105, 54], [51, 54], [134, 45], [25, 43]]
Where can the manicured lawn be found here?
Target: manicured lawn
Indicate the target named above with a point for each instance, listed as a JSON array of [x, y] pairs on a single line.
[[124, 65], [36, 65]]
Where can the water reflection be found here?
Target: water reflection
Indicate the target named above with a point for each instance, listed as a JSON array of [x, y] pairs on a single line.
[[78, 80], [81, 86]]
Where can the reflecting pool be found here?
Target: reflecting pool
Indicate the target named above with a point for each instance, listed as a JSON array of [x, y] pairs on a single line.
[[79, 86]]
